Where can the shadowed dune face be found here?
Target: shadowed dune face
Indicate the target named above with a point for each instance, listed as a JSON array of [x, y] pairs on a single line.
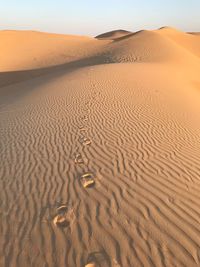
[[100, 150]]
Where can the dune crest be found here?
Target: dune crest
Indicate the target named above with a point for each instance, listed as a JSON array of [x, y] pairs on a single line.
[[112, 35]]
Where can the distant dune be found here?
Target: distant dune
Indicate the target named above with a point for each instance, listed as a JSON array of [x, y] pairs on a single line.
[[112, 35], [100, 149]]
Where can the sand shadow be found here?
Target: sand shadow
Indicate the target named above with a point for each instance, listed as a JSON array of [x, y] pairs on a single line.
[[8, 78], [12, 77], [87, 180], [100, 258]]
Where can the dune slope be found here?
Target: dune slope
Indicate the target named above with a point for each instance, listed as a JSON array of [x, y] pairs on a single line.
[[99, 158], [22, 50], [112, 35]]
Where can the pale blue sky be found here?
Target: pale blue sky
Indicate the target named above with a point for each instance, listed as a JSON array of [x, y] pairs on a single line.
[[91, 17]]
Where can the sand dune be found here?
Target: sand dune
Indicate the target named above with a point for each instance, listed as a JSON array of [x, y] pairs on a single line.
[[100, 150], [188, 41], [39, 50], [112, 35], [149, 46]]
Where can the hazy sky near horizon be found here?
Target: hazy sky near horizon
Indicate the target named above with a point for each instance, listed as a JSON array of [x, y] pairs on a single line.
[[90, 17]]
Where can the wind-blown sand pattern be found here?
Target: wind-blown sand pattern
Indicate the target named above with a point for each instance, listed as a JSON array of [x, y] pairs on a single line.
[[125, 110]]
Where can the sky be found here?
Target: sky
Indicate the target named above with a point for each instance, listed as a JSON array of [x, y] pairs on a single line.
[[92, 17]]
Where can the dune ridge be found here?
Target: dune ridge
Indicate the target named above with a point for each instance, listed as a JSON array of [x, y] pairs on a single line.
[[100, 150], [112, 35]]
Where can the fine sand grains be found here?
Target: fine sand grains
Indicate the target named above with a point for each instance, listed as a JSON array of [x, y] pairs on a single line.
[[99, 160]]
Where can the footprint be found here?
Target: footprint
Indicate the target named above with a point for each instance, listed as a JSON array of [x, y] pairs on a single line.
[[61, 220], [84, 118], [97, 259], [87, 180], [78, 159], [62, 208], [171, 200], [80, 127], [86, 141], [64, 217]]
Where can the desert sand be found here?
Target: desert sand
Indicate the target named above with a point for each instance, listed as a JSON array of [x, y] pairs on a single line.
[[100, 149]]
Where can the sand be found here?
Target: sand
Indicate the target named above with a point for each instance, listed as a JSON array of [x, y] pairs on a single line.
[[100, 150], [112, 35]]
